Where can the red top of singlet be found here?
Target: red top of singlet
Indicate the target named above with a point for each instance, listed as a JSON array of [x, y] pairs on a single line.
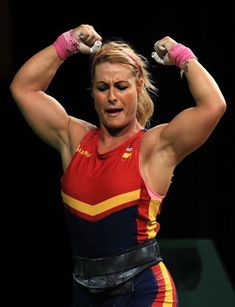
[[107, 203]]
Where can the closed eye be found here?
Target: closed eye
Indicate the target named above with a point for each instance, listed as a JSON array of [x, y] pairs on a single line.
[[121, 87], [102, 86]]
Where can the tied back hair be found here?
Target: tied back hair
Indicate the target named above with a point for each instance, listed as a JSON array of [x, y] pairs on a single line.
[[120, 52]]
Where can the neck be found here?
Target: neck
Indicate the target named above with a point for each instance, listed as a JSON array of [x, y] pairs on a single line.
[[125, 131], [110, 138]]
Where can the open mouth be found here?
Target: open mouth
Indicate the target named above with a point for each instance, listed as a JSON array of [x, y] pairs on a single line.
[[114, 111]]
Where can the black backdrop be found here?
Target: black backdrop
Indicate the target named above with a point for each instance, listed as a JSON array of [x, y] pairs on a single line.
[[200, 202]]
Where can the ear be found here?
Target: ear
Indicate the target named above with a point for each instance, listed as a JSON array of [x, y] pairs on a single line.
[[140, 85]]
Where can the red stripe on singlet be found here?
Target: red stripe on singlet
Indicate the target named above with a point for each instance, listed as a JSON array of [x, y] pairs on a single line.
[[166, 293]]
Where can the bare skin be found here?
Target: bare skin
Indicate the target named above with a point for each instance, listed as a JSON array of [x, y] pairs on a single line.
[[116, 94]]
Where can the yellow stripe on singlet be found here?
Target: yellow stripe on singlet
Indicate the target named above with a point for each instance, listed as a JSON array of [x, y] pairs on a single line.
[[152, 223], [168, 285], [103, 206]]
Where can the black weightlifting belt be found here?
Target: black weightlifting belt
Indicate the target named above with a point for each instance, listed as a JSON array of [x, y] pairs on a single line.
[[102, 273]]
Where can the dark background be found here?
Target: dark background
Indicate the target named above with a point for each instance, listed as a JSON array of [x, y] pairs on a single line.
[[200, 202]]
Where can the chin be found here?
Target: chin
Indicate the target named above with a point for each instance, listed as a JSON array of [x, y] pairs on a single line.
[[108, 126], [117, 126]]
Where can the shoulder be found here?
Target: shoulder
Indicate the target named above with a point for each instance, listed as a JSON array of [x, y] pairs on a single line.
[[77, 129], [153, 145], [152, 136], [80, 124]]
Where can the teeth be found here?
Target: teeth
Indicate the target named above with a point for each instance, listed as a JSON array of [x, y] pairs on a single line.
[[113, 110]]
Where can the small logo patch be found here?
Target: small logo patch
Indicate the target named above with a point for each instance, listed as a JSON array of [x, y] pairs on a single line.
[[83, 152], [128, 152]]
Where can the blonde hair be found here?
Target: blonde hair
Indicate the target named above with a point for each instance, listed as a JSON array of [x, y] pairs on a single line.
[[121, 52]]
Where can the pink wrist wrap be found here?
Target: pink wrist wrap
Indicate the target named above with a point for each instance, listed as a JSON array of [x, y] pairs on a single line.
[[66, 45], [180, 54]]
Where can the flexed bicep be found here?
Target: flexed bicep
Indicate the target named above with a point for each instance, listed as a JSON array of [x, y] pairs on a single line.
[[191, 127], [45, 115]]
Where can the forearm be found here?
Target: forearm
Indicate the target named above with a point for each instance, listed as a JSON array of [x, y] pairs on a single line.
[[202, 85], [37, 73], [204, 88]]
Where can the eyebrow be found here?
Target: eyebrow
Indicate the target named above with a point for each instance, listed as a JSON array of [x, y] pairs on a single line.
[[120, 81]]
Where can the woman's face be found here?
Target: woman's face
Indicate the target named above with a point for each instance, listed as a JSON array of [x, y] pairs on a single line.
[[115, 95]]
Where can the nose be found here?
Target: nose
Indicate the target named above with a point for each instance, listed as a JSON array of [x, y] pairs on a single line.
[[111, 96]]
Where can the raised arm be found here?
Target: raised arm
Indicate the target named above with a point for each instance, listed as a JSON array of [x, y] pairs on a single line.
[[45, 114], [190, 128], [164, 146]]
